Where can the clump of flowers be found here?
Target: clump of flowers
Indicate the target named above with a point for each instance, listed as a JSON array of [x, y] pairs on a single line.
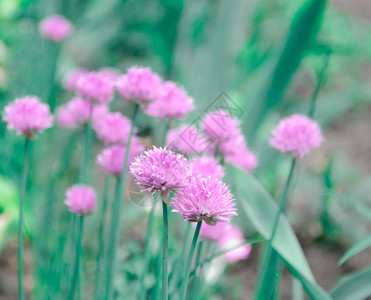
[[112, 128], [95, 86], [111, 159], [160, 170], [296, 134], [186, 139], [206, 166], [81, 199], [27, 115], [174, 103], [205, 199], [139, 85], [55, 27]]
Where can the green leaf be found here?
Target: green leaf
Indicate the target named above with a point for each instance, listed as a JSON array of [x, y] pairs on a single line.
[[355, 249], [255, 203], [355, 286], [304, 29]]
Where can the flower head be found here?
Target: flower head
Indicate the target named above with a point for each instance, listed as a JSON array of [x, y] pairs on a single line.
[[231, 239], [111, 159], [214, 233], [161, 170], [55, 27], [112, 128], [186, 139], [205, 198], [70, 81], [206, 166], [220, 126], [95, 86], [174, 103], [80, 199], [139, 85], [297, 134], [64, 117], [27, 115], [243, 158]]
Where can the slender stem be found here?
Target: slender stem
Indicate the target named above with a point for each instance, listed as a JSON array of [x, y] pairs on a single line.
[[116, 212], [101, 244], [85, 148], [21, 293], [189, 262], [197, 271], [76, 280], [165, 242]]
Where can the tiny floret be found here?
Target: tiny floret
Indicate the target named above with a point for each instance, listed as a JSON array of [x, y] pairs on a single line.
[[174, 103], [206, 166], [95, 86], [81, 199], [205, 199], [160, 169], [27, 115], [55, 28], [139, 85], [296, 134]]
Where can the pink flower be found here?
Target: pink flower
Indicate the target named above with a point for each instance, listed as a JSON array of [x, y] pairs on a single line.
[[139, 85], [80, 199], [215, 232], [95, 86], [77, 111], [205, 198], [112, 128], [174, 103], [27, 115], [111, 159], [70, 81], [231, 239], [220, 126], [297, 134], [243, 158], [206, 166], [161, 170], [55, 27], [186, 139]]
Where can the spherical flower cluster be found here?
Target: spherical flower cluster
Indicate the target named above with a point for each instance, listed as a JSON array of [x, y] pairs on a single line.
[[55, 27], [77, 111], [205, 199], [186, 139], [231, 239], [95, 86], [111, 159], [174, 103], [70, 81], [206, 166], [220, 126], [112, 128], [80, 199], [139, 85], [297, 134], [161, 170], [27, 115], [243, 158]]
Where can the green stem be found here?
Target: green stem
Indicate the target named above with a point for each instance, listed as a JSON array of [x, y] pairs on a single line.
[[116, 213], [189, 262], [101, 251], [85, 149], [165, 242], [76, 280], [197, 270], [21, 293]]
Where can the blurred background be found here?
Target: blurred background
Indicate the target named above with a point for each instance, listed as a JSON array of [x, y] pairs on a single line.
[[260, 53]]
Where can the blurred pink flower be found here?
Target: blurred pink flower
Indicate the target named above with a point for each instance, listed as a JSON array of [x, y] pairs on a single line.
[[206, 166], [70, 81], [27, 115], [297, 134], [215, 232], [161, 170], [95, 86], [205, 198], [174, 103], [186, 139], [64, 117], [111, 159], [81, 199], [55, 27], [242, 158], [220, 126], [112, 128], [139, 85], [230, 239]]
